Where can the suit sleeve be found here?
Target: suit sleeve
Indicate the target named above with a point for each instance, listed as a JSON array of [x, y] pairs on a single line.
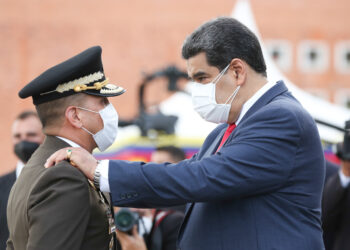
[[334, 197], [259, 160], [58, 210]]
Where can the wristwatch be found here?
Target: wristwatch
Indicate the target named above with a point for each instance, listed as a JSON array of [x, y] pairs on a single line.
[[97, 176]]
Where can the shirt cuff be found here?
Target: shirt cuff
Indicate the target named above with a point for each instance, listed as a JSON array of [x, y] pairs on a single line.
[[344, 180], [103, 168]]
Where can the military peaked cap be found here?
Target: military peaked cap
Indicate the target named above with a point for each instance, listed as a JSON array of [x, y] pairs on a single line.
[[82, 73]]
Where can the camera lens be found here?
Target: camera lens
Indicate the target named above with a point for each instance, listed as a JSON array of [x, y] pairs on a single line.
[[125, 219]]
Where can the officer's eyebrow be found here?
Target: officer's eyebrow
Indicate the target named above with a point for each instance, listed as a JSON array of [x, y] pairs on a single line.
[[197, 75], [17, 135], [32, 134]]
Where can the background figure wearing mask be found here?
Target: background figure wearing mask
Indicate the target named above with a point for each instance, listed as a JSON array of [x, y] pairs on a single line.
[[26, 135], [336, 200]]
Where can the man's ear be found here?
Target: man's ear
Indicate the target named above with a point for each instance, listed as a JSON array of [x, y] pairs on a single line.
[[73, 117], [239, 69]]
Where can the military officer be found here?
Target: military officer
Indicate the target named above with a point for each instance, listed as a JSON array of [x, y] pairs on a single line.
[[59, 208]]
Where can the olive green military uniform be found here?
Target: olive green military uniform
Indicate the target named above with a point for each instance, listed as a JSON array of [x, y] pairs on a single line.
[[55, 208]]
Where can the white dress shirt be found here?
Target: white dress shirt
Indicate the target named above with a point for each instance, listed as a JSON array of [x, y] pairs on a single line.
[[19, 168], [103, 166], [252, 100], [344, 180]]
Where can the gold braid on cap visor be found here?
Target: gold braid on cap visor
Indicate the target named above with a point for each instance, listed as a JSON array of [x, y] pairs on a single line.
[[97, 86], [81, 84]]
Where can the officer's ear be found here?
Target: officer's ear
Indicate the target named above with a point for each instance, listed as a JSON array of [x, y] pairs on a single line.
[[239, 70], [73, 117]]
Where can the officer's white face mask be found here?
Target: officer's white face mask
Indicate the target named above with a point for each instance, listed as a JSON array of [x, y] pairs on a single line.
[[204, 101], [106, 136]]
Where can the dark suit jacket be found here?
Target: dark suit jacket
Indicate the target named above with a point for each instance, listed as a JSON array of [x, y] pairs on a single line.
[[336, 214], [261, 191], [328, 234], [331, 169], [165, 231], [55, 208], [6, 183]]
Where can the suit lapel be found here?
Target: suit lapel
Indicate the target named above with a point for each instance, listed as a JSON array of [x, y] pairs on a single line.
[[276, 90], [214, 145]]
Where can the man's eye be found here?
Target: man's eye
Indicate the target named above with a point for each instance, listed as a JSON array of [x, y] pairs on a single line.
[[201, 79]]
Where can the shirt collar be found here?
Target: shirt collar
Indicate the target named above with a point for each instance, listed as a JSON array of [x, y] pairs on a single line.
[[71, 143], [19, 168], [252, 100]]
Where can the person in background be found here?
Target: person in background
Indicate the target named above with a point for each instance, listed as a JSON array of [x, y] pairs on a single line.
[[26, 135], [336, 200], [170, 154]]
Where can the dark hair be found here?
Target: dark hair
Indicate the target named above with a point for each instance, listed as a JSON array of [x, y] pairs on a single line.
[[52, 113], [222, 40], [177, 154], [25, 114]]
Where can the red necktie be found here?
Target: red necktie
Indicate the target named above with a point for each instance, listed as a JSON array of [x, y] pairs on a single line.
[[228, 131]]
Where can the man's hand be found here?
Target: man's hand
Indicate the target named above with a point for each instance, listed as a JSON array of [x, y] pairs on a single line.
[[77, 157], [131, 242]]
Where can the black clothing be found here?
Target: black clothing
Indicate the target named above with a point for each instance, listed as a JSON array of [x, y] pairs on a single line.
[[6, 183]]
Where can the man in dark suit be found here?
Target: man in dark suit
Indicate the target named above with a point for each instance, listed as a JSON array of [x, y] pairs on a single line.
[[256, 182], [336, 201], [27, 134], [6, 183], [59, 208]]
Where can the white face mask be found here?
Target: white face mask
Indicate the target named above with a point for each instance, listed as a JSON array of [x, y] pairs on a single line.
[[204, 101], [106, 136]]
